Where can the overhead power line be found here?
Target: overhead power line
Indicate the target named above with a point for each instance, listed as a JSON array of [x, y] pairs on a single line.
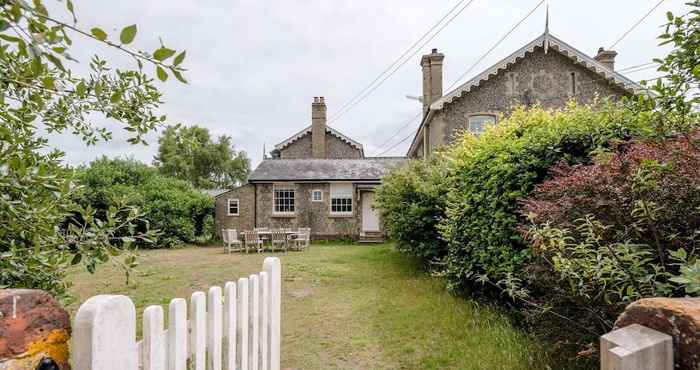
[[475, 64], [496, 45], [397, 60], [398, 143], [640, 69], [636, 24], [399, 130], [396, 68], [636, 66]]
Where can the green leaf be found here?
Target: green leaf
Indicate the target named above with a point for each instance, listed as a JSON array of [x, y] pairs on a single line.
[[56, 62], [99, 33], [9, 38], [162, 75], [116, 97], [128, 34], [48, 83], [81, 89], [179, 76], [69, 6], [179, 58], [163, 53], [76, 259]]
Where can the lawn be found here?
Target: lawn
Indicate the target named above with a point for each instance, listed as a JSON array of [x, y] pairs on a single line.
[[344, 307]]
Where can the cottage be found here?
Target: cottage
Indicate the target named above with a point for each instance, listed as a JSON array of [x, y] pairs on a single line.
[[317, 178], [546, 71]]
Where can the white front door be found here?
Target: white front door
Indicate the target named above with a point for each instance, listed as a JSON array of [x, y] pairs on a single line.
[[370, 218]]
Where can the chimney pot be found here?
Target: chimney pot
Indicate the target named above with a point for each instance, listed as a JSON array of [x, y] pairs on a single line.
[[435, 51], [606, 58]]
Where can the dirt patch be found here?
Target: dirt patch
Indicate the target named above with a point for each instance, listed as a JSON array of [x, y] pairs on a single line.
[[298, 294]]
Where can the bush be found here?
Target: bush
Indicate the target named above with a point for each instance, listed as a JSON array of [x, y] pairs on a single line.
[[647, 193], [606, 234], [172, 206], [493, 171], [411, 202]]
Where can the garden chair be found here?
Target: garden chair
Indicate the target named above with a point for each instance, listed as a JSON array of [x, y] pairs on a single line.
[[263, 233], [252, 240], [279, 238], [303, 239], [231, 241]]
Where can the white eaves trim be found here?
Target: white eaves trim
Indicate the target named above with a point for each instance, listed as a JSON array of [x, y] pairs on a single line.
[[547, 41]]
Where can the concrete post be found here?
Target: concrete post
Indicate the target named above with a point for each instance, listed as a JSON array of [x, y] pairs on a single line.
[[636, 347]]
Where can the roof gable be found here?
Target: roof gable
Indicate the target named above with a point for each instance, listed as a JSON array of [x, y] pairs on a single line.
[[307, 131], [549, 42]]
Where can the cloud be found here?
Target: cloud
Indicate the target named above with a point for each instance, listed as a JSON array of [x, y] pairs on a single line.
[[255, 65]]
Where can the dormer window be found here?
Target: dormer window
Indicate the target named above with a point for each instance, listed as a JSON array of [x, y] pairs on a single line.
[[477, 123]]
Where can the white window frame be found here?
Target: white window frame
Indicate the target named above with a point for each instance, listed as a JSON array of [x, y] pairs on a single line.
[[340, 191], [284, 187], [313, 195], [238, 207], [484, 126]]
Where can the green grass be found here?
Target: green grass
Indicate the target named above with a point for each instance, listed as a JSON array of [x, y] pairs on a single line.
[[344, 307]]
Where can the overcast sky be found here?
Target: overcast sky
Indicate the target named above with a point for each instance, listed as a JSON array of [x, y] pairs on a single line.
[[255, 65]]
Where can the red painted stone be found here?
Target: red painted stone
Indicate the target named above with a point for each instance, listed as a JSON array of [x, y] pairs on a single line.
[[29, 321]]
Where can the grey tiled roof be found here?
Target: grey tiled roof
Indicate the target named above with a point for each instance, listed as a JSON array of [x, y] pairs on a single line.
[[214, 192], [324, 169]]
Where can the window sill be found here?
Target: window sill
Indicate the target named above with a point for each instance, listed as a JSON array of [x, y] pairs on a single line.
[[341, 215], [284, 215], [230, 215]]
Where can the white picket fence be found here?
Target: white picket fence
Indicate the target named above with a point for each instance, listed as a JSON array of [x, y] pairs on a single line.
[[234, 329]]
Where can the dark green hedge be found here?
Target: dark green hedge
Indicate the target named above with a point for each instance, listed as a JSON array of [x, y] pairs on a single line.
[[412, 202], [172, 206], [492, 172]]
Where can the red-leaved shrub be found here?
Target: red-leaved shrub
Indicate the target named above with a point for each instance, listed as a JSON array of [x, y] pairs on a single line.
[[665, 176]]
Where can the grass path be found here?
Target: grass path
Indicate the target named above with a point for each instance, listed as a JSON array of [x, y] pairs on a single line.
[[344, 307]]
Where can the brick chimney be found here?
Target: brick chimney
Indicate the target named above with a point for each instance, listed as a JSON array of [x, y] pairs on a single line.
[[318, 128], [432, 78], [606, 58]]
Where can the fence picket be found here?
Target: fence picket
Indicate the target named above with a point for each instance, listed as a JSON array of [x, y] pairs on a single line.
[[264, 320], [274, 270], [214, 328], [153, 345], [230, 325], [105, 334], [198, 330], [177, 335], [234, 329], [254, 321], [243, 323]]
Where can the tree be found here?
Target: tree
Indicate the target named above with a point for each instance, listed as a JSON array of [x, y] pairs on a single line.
[[42, 230], [675, 97], [172, 206], [189, 153]]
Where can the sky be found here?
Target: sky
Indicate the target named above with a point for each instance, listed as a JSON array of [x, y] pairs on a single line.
[[254, 66]]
